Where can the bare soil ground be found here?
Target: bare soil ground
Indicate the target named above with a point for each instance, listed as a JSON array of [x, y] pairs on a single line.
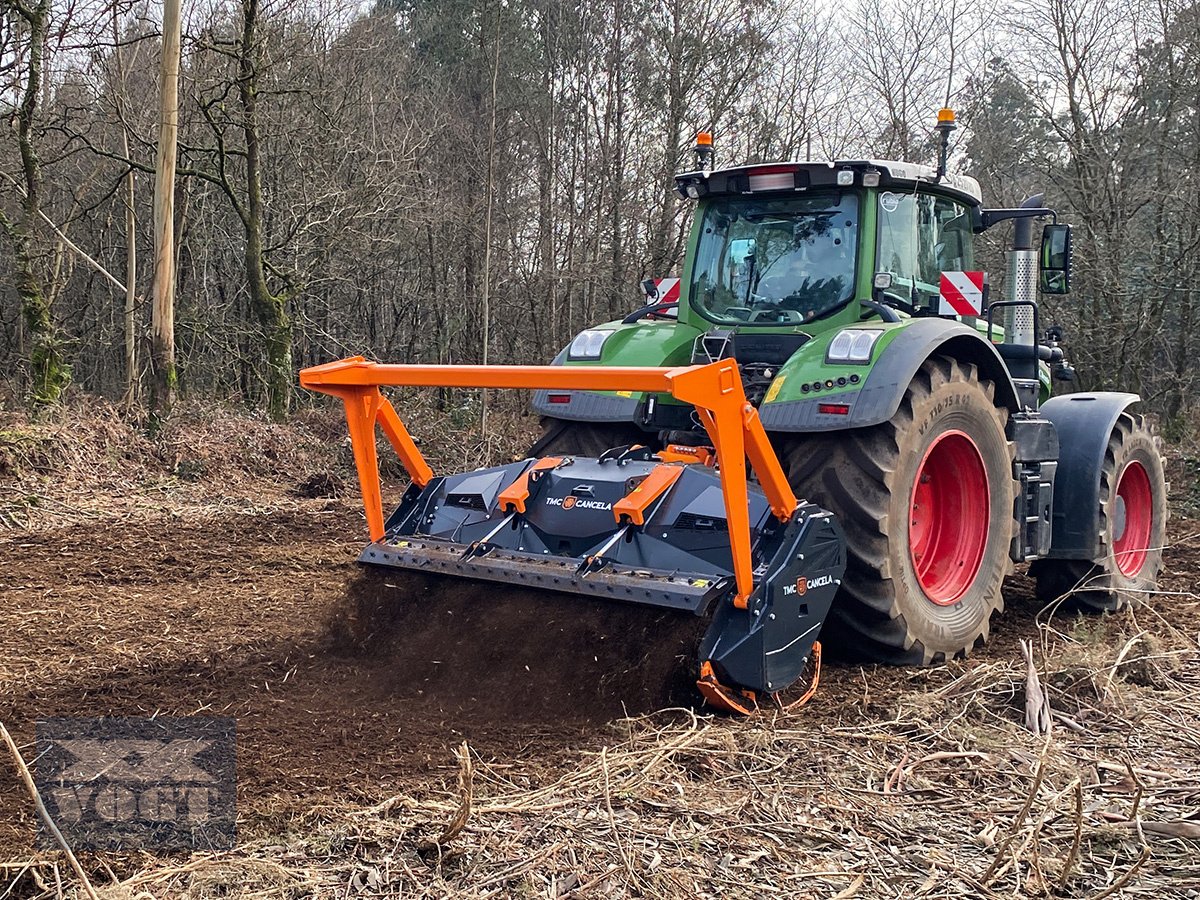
[[148, 584]]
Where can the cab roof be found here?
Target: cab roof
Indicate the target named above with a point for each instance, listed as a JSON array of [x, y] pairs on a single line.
[[799, 176]]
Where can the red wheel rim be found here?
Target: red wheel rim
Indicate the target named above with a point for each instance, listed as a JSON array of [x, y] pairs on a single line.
[[949, 517], [1135, 519]]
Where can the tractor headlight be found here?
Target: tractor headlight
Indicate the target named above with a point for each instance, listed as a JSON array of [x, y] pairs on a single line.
[[852, 345], [588, 344]]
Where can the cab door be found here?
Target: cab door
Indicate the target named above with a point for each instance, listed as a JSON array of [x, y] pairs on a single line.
[[920, 237]]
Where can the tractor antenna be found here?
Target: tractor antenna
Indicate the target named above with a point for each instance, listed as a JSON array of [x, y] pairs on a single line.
[[704, 152], [945, 125]]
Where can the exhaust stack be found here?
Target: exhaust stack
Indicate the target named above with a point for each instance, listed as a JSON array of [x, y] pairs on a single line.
[[1020, 320]]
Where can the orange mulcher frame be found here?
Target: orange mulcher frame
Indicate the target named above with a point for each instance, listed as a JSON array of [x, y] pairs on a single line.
[[715, 390]]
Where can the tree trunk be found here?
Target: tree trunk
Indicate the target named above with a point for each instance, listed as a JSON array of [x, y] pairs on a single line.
[[486, 311], [162, 351], [130, 309], [49, 372], [271, 309]]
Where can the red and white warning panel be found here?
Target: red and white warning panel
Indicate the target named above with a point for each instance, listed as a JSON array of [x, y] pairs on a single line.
[[668, 289], [962, 293]]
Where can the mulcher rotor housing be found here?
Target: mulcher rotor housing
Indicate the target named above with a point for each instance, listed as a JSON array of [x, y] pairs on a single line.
[[570, 535]]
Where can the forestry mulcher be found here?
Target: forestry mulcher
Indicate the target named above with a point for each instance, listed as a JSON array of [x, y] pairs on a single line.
[[825, 428]]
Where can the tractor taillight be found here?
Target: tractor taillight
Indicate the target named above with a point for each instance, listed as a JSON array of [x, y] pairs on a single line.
[[559, 398], [834, 409]]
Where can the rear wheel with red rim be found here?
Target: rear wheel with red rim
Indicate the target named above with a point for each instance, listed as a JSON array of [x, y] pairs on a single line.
[[1134, 519], [1131, 522]]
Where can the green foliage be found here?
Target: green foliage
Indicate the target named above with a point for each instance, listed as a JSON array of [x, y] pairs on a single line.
[[1006, 147]]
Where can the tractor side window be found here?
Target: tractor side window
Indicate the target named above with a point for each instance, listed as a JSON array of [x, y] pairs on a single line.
[[954, 245], [921, 236], [899, 252]]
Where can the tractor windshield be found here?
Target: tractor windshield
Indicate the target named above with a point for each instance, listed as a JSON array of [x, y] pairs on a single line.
[[775, 261]]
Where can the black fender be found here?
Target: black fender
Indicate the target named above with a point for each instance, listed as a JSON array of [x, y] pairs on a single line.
[[884, 387], [1084, 423]]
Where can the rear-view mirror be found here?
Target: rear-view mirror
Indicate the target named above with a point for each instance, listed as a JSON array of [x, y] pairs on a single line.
[[1055, 259]]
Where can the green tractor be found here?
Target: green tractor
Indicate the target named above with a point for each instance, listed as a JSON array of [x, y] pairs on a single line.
[[895, 394], [832, 338]]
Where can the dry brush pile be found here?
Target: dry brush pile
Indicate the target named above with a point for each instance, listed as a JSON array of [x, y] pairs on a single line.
[[91, 460]]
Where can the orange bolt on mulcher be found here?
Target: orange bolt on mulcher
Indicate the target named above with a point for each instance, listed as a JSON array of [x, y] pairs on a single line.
[[673, 530]]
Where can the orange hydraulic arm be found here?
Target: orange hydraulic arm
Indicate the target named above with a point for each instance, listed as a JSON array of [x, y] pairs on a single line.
[[715, 390]]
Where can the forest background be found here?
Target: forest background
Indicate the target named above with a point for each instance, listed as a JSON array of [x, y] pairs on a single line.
[[473, 180]]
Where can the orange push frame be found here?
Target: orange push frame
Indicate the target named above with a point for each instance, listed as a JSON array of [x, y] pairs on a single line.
[[715, 390]]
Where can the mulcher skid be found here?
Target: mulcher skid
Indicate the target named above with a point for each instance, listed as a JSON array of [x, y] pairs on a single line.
[[684, 529]]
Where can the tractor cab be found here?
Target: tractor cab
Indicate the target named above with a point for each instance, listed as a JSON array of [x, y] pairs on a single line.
[[816, 245], [809, 273]]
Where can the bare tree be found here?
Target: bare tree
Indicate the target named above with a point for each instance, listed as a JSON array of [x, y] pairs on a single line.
[[26, 24], [129, 317], [164, 379]]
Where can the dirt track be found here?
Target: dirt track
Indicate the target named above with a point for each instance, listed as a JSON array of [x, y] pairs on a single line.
[[344, 685]]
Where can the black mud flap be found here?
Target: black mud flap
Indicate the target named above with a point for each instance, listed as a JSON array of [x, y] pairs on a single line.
[[766, 646]]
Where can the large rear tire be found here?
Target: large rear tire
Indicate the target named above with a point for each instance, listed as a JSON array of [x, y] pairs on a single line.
[[926, 503], [561, 437], [1133, 524]]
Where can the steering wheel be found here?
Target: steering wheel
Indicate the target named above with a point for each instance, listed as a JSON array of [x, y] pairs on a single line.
[[772, 287], [777, 315]]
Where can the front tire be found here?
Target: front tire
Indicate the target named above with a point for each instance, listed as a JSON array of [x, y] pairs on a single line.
[[1133, 525], [926, 502], [561, 437]]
